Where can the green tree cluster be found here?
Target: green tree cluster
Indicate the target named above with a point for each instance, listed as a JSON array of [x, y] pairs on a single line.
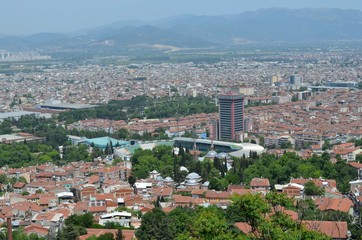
[[109, 236], [75, 226], [214, 223], [76, 153], [280, 170], [310, 189], [160, 159], [54, 134], [19, 154], [18, 234], [166, 162], [143, 106]]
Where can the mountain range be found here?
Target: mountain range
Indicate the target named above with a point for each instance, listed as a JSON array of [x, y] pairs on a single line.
[[191, 31]]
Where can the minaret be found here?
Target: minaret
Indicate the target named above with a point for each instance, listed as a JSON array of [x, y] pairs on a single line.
[[195, 149]]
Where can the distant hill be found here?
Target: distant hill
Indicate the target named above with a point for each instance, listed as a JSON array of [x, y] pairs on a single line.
[[150, 35], [263, 26], [12, 43], [274, 25], [40, 38]]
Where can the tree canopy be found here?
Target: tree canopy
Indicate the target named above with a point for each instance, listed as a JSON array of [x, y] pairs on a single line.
[[214, 223]]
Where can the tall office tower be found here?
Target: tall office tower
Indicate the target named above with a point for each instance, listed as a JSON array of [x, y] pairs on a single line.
[[231, 111], [296, 80]]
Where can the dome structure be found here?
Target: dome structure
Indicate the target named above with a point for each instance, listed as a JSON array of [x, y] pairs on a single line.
[[192, 182], [193, 175], [168, 180], [206, 184], [180, 187], [159, 179], [182, 168], [193, 179], [211, 154], [223, 155]]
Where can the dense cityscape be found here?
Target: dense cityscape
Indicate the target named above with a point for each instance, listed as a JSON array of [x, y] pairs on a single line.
[[180, 143]]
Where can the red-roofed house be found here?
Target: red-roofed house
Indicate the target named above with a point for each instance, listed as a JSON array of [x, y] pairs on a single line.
[[36, 229], [260, 184], [18, 187], [335, 204], [335, 230], [347, 151]]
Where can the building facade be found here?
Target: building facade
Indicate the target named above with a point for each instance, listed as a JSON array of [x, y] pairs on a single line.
[[231, 119]]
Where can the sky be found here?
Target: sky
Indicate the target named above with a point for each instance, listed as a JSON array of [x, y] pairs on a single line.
[[22, 17]]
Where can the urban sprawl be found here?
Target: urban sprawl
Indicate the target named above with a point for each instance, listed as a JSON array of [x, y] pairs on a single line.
[[284, 129]]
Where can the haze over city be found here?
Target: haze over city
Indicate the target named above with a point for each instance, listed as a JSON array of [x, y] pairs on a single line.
[[28, 17]]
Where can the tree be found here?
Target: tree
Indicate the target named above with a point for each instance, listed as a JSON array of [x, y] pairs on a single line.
[[119, 235], [106, 236], [69, 232], [180, 220], [232, 178], [218, 184], [277, 199], [326, 145], [6, 127], [154, 225], [3, 179], [261, 141], [248, 208], [311, 189], [209, 224], [131, 180], [286, 145], [85, 220]]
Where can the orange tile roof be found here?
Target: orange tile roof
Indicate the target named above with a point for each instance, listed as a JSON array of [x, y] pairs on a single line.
[[335, 204], [240, 191], [355, 164], [217, 194], [37, 229], [96, 209], [162, 191], [344, 151], [260, 182], [244, 227], [187, 200], [335, 230], [19, 185]]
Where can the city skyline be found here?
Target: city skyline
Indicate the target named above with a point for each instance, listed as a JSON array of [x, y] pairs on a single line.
[[68, 16]]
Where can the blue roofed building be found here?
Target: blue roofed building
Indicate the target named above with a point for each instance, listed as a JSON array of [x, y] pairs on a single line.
[[102, 142]]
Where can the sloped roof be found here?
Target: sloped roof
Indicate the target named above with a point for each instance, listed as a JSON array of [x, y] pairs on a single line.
[[335, 230], [260, 182], [335, 204]]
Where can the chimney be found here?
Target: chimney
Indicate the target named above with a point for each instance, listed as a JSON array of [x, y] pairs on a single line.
[[10, 229]]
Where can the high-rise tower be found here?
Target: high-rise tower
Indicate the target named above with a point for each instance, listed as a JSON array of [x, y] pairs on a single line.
[[231, 111]]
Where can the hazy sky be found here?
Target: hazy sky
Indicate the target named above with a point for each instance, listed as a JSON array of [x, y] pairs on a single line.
[[32, 16]]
